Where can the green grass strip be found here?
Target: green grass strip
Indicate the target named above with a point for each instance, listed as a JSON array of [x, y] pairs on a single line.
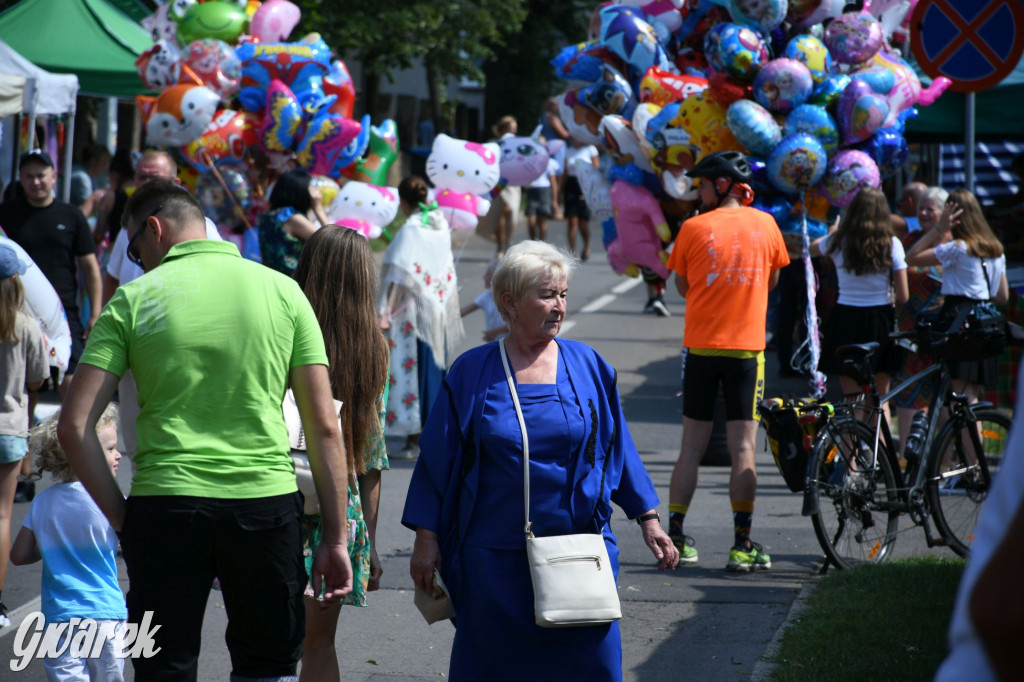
[[875, 622]]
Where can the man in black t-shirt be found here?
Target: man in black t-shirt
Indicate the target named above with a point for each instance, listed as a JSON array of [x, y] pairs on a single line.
[[57, 237]]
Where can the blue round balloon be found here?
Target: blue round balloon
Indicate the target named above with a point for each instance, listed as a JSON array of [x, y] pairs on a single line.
[[774, 204], [753, 126], [816, 229], [815, 121], [813, 54], [759, 170], [735, 50], [796, 163], [888, 148]]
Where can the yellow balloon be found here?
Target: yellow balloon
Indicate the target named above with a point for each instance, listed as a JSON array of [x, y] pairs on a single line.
[[704, 119]]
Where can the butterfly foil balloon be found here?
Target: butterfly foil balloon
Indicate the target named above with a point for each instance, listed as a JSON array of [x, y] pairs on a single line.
[[318, 139]]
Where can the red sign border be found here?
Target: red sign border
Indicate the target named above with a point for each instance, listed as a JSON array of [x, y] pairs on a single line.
[[930, 68]]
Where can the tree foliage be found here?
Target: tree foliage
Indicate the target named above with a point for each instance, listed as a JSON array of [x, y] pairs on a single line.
[[452, 37], [520, 78]]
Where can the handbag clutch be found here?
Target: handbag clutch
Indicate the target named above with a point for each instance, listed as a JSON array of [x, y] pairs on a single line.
[[573, 582], [297, 442], [437, 605]]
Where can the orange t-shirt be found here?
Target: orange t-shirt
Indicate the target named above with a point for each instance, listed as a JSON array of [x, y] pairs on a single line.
[[727, 256]]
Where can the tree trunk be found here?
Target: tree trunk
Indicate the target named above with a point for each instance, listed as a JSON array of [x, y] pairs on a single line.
[[371, 93], [436, 96]]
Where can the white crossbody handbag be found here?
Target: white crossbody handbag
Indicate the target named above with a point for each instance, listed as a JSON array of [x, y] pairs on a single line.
[[297, 441], [573, 583]]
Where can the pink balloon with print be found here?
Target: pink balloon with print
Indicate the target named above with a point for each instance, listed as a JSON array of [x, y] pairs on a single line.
[[847, 173], [861, 112], [854, 37], [274, 20]]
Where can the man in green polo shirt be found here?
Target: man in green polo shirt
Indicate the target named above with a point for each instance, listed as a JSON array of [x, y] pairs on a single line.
[[213, 341]]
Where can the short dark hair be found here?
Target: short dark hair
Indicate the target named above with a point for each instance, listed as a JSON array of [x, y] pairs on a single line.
[[413, 190], [177, 203], [292, 189]]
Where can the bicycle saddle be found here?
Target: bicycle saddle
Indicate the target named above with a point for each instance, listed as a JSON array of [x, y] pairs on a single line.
[[858, 350]]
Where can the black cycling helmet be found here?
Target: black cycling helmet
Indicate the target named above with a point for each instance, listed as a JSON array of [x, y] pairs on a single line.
[[733, 165]]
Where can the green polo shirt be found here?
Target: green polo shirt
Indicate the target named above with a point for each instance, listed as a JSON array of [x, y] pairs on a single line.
[[210, 338]]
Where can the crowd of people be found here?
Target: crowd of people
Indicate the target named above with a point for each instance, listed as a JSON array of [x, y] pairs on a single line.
[[214, 499]]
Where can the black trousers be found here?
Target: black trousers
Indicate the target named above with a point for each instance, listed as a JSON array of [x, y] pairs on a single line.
[[175, 546]]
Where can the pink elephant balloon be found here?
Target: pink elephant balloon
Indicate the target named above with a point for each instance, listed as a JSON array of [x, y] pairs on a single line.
[[641, 226], [274, 20]]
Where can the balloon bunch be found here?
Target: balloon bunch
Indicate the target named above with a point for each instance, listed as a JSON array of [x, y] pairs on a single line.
[[817, 98], [236, 97]]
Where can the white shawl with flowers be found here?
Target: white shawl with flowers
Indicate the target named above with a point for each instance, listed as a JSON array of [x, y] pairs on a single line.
[[420, 261]]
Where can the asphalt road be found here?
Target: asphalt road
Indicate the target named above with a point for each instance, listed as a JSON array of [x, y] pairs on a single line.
[[697, 622]]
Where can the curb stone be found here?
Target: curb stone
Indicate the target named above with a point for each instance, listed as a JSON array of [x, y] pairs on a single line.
[[767, 662]]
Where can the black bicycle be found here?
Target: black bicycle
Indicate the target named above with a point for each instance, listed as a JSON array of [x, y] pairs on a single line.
[[857, 488]]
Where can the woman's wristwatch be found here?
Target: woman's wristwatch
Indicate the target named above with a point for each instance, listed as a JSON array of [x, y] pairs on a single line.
[[647, 517]]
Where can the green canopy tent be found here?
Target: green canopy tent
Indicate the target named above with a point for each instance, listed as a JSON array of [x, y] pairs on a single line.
[[89, 38]]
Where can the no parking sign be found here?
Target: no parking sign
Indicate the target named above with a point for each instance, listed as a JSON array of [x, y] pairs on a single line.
[[974, 43]]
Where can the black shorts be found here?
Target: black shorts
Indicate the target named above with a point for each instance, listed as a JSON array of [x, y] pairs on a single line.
[[575, 204], [742, 381], [538, 201]]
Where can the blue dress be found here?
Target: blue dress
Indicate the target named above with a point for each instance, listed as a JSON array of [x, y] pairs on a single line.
[[497, 637], [279, 249], [468, 487]]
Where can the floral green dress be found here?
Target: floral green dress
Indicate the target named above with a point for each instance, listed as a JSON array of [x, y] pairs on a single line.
[[358, 534]]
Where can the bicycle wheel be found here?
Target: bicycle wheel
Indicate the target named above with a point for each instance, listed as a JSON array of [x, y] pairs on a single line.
[[957, 484], [857, 513]]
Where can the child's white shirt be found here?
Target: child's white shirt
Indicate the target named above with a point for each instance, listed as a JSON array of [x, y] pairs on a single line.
[[492, 318], [79, 549]]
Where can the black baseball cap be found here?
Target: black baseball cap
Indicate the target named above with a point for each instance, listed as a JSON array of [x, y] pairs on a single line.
[[35, 155]]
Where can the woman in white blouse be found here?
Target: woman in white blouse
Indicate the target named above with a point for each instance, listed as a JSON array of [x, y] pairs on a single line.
[[973, 269], [870, 263]]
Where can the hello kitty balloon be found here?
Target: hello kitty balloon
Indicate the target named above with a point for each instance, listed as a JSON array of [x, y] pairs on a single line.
[[364, 208], [461, 172]]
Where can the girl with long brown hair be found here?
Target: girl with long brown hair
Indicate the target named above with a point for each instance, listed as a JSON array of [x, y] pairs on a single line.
[[872, 275], [337, 273], [973, 269], [23, 367]]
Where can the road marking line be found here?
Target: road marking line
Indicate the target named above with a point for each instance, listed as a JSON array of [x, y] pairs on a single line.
[[597, 304], [16, 616], [566, 326], [623, 287]]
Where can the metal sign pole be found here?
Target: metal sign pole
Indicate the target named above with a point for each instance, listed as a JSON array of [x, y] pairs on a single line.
[[969, 141]]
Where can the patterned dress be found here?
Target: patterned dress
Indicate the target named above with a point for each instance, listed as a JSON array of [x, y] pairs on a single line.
[[405, 409], [279, 249], [419, 290], [359, 548]]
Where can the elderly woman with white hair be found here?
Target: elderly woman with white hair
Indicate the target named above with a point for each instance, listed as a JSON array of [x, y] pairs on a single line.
[[465, 500]]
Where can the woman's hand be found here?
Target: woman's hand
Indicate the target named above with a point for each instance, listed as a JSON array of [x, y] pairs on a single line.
[[315, 198], [660, 543], [949, 219], [426, 556], [376, 571]]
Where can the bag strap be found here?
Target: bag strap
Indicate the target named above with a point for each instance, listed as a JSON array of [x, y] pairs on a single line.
[[988, 282], [526, 440]]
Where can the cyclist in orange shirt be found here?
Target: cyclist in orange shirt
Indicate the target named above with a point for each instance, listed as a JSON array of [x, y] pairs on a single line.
[[726, 260]]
